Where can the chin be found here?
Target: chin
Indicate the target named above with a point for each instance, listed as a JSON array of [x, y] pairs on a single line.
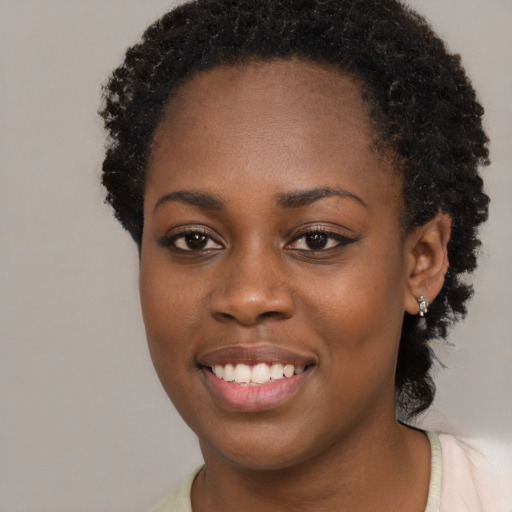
[[265, 448], [257, 459]]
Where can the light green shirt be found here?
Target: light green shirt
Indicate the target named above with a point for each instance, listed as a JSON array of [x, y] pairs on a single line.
[[179, 499]]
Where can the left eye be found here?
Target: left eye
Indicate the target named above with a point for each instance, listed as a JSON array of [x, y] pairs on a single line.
[[317, 241], [194, 241]]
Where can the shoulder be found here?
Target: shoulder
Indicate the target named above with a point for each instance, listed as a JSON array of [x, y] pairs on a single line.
[[473, 479], [179, 499]]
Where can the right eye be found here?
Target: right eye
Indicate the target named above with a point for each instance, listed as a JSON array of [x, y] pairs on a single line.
[[191, 241]]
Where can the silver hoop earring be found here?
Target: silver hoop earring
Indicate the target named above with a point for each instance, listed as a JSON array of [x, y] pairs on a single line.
[[423, 306]]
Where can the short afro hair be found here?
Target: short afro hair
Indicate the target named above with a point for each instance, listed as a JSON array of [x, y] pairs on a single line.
[[421, 101]]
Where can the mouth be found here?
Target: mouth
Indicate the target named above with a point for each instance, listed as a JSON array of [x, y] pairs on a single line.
[[257, 374], [254, 377]]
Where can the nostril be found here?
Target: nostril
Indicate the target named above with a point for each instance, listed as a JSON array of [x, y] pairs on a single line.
[[270, 314], [226, 316], [248, 307], [249, 319]]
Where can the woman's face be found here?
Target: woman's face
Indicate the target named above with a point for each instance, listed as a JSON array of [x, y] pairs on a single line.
[[272, 254]]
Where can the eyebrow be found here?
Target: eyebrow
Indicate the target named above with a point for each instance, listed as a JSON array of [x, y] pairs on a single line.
[[193, 198], [295, 199], [300, 198]]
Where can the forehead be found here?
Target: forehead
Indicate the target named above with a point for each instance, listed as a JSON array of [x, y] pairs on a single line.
[[298, 85], [291, 118], [294, 94]]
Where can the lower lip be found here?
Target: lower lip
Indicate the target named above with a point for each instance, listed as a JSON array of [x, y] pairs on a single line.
[[254, 398]]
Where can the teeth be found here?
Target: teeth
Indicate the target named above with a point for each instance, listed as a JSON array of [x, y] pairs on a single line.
[[260, 373], [276, 371], [229, 373], [257, 374], [218, 370], [242, 374], [289, 370]]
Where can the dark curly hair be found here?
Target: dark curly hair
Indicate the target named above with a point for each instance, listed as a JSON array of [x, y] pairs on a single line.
[[422, 103]]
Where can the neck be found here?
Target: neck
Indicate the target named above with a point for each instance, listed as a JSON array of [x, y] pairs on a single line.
[[382, 468]]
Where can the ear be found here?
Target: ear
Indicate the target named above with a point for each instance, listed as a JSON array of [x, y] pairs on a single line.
[[426, 257]]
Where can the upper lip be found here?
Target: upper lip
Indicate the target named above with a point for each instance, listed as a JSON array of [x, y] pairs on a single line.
[[254, 354]]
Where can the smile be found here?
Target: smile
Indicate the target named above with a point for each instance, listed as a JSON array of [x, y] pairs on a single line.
[[253, 375]]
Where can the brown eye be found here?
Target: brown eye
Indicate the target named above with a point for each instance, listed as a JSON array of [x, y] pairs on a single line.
[[316, 241], [193, 241], [319, 241], [190, 241]]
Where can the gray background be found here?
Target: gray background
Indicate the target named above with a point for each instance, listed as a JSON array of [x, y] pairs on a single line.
[[84, 424]]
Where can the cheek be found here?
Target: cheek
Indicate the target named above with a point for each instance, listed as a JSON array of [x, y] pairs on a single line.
[[358, 308], [170, 311], [168, 324]]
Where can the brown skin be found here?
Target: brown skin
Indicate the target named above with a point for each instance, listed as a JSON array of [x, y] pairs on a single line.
[[248, 134]]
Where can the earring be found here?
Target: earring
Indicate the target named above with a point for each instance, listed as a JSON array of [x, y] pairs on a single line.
[[423, 306]]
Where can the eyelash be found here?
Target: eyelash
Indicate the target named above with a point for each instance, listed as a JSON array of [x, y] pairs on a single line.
[[341, 240], [169, 241]]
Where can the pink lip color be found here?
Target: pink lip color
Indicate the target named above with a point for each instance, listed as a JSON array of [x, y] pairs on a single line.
[[254, 398], [262, 396]]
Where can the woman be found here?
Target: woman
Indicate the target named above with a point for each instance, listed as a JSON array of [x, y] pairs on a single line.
[[301, 179]]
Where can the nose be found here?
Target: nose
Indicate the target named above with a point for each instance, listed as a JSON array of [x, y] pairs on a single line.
[[251, 288]]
